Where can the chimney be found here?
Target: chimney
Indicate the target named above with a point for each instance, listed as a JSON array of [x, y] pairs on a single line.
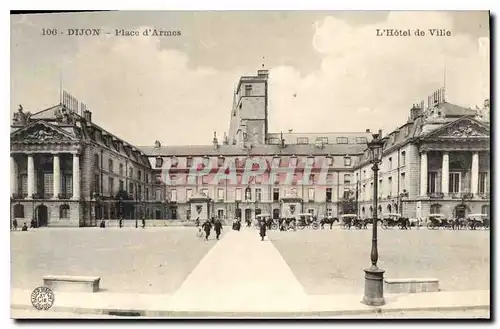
[[87, 115], [215, 141], [264, 74], [380, 133], [415, 112], [367, 130]]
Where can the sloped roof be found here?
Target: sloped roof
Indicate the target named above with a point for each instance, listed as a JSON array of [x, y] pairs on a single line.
[[452, 110], [233, 150]]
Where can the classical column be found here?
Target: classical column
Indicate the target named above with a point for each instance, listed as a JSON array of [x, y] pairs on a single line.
[[423, 174], [31, 176], [445, 173], [474, 182], [57, 176], [76, 176], [13, 175]]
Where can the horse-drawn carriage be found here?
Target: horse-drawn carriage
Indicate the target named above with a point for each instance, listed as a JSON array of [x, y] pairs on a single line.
[[392, 220], [266, 219], [475, 221], [328, 220], [436, 221], [307, 220], [348, 220]]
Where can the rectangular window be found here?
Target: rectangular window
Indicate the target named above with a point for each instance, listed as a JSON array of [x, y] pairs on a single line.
[[329, 178], [131, 173], [173, 195], [390, 163], [329, 161], [276, 194], [403, 158], [454, 182], [258, 179], [274, 141], [347, 161], [48, 184], [238, 194], [110, 164], [158, 194], [342, 140], [139, 175], [483, 179], [380, 188], [96, 184], [131, 188], [310, 161], [248, 90], [293, 161], [360, 140], [220, 194], [189, 162], [110, 185], [322, 140], [189, 193], [258, 194], [205, 179], [121, 185], [302, 140], [328, 194], [120, 170], [347, 179], [432, 186], [403, 182], [389, 186], [220, 161], [311, 195], [276, 162]]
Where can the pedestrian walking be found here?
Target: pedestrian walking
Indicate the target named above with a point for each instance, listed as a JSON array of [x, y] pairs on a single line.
[[207, 226], [263, 230], [217, 228], [14, 223], [143, 223]]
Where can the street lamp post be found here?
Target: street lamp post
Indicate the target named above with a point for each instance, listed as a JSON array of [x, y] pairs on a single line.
[[374, 276]]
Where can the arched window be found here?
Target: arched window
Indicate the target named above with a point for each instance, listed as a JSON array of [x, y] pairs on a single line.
[[435, 208], [363, 210], [485, 210], [379, 209], [371, 211], [18, 211], [395, 208], [64, 211]]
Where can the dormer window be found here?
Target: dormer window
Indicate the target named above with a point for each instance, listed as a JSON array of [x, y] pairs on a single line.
[[342, 140], [159, 162], [174, 162], [189, 162], [347, 161]]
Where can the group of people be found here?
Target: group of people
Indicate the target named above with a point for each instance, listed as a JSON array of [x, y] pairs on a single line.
[[25, 227], [207, 227]]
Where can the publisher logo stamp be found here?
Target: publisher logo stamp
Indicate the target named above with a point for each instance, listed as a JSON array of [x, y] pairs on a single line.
[[42, 298]]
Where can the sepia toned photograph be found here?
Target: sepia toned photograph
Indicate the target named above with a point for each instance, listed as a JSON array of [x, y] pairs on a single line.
[[250, 164]]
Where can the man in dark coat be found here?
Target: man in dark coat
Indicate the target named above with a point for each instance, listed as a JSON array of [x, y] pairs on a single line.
[[207, 226], [14, 223], [263, 229], [217, 228], [25, 227]]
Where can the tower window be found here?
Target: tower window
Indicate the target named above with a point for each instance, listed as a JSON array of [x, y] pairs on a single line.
[[248, 90]]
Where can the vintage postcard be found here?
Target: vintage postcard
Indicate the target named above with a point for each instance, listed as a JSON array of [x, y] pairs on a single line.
[[250, 164]]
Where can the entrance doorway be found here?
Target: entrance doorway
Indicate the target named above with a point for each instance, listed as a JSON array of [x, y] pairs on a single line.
[[460, 211], [276, 213], [42, 215], [248, 214], [220, 213]]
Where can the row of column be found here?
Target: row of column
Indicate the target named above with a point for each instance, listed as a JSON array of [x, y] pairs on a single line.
[[446, 173], [57, 176]]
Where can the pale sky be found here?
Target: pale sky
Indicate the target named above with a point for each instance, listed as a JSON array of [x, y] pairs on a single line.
[[179, 89]]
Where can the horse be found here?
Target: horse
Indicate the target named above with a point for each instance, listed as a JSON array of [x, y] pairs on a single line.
[[328, 220]]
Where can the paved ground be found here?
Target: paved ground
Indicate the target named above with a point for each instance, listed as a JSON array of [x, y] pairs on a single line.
[[331, 261], [153, 260]]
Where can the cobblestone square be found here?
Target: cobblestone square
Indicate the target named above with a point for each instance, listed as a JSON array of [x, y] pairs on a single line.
[[332, 261], [151, 260]]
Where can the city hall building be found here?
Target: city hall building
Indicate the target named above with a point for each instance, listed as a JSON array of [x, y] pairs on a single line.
[[68, 171]]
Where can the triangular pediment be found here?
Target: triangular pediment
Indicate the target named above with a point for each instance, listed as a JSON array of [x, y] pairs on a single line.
[[464, 127], [39, 132]]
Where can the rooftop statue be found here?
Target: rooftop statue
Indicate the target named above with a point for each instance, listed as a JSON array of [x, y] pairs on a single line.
[[21, 118]]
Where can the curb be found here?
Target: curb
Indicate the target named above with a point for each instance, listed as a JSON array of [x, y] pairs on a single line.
[[134, 313]]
